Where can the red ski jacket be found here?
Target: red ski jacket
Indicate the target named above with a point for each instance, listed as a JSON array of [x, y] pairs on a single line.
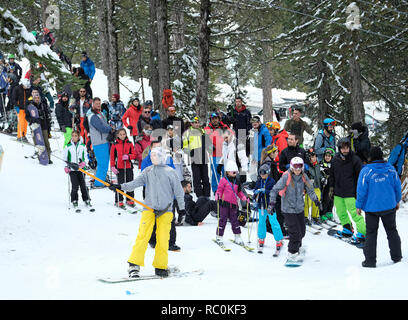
[[140, 146], [133, 115], [120, 148]]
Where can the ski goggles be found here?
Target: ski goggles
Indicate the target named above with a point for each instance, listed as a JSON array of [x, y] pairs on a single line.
[[274, 148], [333, 123], [196, 119], [297, 166]]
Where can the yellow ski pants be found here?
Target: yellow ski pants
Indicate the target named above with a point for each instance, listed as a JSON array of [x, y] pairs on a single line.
[[163, 227]]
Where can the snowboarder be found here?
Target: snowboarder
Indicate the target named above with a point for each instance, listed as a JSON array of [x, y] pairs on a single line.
[[229, 189], [262, 189], [162, 186], [291, 187], [122, 153], [379, 194], [75, 152], [344, 172]]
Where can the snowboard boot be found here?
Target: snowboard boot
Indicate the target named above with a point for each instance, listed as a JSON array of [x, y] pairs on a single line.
[[239, 240], [294, 257], [346, 232], [133, 270], [164, 273]]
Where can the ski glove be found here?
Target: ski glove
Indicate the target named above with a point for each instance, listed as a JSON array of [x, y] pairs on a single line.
[[271, 207], [219, 169], [125, 157], [113, 187], [67, 170], [114, 170], [82, 164]]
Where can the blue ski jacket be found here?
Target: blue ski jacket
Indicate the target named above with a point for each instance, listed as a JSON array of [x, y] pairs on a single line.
[[89, 68], [378, 187]]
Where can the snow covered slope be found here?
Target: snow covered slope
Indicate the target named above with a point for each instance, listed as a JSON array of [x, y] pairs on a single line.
[[49, 252]]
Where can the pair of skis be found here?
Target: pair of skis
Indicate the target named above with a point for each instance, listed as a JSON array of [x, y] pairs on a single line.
[[174, 272], [79, 210], [226, 249]]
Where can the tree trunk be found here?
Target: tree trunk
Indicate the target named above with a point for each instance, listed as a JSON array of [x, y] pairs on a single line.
[[103, 36], [154, 71], [203, 64], [163, 49], [358, 112], [267, 103], [113, 79], [324, 91]]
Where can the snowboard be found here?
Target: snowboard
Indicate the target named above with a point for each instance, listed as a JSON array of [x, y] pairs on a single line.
[[294, 264], [38, 136], [349, 240], [173, 273]]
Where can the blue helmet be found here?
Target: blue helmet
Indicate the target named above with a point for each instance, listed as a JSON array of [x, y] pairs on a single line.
[[329, 121]]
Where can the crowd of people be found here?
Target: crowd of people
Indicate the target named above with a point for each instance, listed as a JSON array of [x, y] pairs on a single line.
[[229, 154]]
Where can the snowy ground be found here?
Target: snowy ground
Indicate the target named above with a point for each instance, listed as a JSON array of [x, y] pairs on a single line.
[[49, 252]]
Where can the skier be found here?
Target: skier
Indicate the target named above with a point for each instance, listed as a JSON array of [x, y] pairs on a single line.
[[327, 202], [116, 112], [65, 117], [279, 137], [293, 150], [229, 189], [344, 172], [263, 187], [19, 99], [131, 117], [315, 177], [379, 194], [197, 145], [14, 67], [162, 186], [262, 138], [44, 120], [122, 153], [326, 138], [75, 152], [291, 187]]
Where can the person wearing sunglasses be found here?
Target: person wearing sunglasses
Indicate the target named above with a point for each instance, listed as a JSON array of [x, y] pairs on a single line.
[[291, 187], [83, 103], [197, 145], [146, 118], [326, 138]]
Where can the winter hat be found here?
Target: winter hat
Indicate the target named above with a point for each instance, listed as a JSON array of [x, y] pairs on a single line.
[[357, 126], [168, 100], [376, 154], [231, 166]]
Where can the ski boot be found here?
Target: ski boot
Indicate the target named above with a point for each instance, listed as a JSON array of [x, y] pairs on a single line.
[[358, 238], [219, 240], [316, 221], [307, 221], [130, 203], [239, 240], [164, 273], [120, 205], [260, 245], [75, 204], [279, 245], [133, 270]]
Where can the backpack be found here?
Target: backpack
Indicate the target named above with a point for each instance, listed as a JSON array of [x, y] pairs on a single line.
[[397, 155]]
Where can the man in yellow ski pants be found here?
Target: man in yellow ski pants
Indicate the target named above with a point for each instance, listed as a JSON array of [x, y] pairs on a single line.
[[162, 186]]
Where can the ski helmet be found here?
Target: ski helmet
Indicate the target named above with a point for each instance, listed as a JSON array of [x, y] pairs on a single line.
[[11, 56], [264, 169], [231, 166], [310, 152], [274, 125], [329, 151], [296, 163], [329, 122]]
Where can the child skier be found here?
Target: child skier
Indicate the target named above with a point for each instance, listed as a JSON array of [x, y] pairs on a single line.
[[229, 189], [315, 177], [263, 186], [162, 186], [75, 152], [122, 153], [291, 188], [327, 202]]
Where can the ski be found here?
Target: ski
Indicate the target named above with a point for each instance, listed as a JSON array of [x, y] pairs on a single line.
[[312, 230], [333, 233], [222, 246], [172, 274], [249, 249], [328, 226]]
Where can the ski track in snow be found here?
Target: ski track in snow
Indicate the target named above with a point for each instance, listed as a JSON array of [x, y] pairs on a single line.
[[49, 252]]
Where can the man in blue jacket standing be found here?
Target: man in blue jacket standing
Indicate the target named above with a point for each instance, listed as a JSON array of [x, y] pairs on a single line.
[[88, 65], [262, 137], [378, 195]]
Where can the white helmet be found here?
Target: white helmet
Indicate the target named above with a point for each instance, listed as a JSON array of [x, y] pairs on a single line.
[[296, 163], [231, 166]]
